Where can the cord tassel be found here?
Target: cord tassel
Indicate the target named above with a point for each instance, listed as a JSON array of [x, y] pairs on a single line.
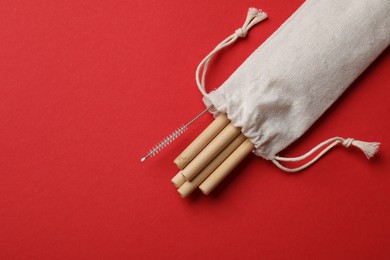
[[368, 148], [254, 17]]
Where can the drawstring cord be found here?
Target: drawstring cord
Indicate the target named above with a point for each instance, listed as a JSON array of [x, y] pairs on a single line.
[[254, 16], [369, 149]]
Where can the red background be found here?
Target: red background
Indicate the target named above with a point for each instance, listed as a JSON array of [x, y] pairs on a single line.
[[87, 87]]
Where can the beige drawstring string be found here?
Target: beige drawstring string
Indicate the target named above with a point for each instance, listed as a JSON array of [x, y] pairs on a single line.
[[369, 149], [254, 16]]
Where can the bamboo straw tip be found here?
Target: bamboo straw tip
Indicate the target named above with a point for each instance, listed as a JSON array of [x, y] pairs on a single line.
[[178, 180], [205, 191], [174, 183], [180, 162], [181, 194]]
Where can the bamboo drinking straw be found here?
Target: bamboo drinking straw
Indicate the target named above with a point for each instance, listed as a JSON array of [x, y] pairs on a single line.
[[226, 167], [210, 151], [178, 180], [188, 187], [201, 141]]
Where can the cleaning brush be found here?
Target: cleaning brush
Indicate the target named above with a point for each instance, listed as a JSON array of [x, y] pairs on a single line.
[[170, 138]]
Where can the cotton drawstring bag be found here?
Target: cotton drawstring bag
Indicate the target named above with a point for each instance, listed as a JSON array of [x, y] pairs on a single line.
[[297, 74]]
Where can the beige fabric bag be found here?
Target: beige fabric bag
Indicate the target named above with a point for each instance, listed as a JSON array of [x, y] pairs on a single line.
[[292, 79]]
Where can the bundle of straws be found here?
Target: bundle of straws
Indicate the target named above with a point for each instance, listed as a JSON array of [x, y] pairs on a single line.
[[210, 157], [221, 146]]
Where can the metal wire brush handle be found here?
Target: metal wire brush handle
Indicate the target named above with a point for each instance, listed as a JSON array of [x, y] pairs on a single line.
[[170, 138]]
